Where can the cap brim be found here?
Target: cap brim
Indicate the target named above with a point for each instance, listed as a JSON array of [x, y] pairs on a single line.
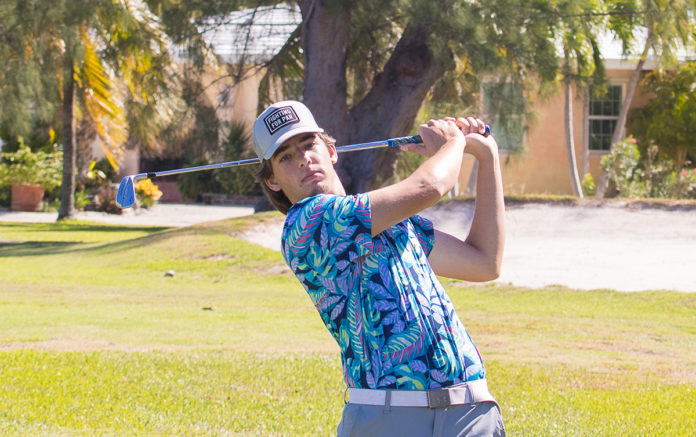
[[289, 134]]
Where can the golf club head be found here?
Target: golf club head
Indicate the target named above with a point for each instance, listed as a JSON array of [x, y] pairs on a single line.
[[125, 197]]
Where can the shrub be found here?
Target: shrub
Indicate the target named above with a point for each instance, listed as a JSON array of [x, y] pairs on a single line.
[[104, 200], [147, 193], [99, 175], [34, 168], [589, 188], [652, 176], [621, 165], [238, 180], [233, 180], [192, 185], [5, 196]]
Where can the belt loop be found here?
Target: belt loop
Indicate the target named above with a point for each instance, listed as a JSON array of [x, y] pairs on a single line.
[[387, 401], [345, 401]]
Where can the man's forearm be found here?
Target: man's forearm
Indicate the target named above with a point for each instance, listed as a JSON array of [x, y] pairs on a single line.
[[487, 232]]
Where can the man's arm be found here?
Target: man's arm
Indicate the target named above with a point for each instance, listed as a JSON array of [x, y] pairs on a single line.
[[443, 144], [479, 257]]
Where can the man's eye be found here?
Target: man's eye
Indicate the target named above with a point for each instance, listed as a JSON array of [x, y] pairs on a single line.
[[283, 158]]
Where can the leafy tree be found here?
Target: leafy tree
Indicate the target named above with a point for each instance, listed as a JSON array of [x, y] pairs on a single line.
[[69, 55], [668, 24], [668, 120], [368, 66]]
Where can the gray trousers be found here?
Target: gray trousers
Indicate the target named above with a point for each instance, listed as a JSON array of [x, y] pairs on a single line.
[[478, 419]]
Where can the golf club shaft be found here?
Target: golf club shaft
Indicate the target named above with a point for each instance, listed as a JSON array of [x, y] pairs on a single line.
[[126, 196], [392, 142]]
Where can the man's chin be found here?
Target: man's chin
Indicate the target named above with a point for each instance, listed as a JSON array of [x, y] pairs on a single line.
[[318, 189]]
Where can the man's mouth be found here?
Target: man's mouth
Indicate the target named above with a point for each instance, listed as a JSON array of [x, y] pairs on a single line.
[[311, 175]]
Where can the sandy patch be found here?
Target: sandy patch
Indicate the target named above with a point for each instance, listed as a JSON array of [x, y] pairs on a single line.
[[590, 246]]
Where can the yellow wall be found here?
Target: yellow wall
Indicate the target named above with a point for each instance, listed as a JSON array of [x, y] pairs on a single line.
[[542, 167]]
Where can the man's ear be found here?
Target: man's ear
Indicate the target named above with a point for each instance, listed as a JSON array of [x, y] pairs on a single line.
[[333, 153], [272, 184]]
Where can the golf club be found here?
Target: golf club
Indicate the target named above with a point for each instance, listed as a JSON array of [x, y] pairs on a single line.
[[125, 197]]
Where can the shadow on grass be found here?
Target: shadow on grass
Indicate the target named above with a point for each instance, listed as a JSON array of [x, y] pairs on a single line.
[[79, 227], [68, 229], [155, 235], [33, 248]]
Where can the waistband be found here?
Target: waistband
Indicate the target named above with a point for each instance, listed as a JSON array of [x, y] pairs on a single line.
[[465, 393]]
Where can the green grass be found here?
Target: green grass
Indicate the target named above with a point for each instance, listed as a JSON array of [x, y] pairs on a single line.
[[95, 339]]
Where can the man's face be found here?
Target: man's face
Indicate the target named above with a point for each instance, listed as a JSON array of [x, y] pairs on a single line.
[[303, 167]]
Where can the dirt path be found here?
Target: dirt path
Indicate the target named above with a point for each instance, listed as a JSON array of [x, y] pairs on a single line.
[[613, 245], [587, 247]]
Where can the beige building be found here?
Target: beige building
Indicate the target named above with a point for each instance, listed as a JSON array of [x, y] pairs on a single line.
[[539, 162], [535, 161]]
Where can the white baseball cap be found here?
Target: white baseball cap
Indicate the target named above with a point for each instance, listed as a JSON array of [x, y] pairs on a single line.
[[280, 122]]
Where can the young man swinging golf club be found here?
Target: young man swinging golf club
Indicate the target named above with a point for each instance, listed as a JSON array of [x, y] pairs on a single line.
[[369, 265]]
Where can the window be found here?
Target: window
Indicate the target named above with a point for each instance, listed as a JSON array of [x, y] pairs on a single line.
[[604, 112], [505, 102]]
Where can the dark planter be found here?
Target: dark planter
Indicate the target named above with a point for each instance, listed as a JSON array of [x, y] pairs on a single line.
[[27, 197]]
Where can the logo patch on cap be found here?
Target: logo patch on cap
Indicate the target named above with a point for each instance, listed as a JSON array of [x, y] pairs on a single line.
[[280, 118]]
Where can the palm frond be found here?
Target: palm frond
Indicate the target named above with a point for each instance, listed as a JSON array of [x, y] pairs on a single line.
[[100, 104]]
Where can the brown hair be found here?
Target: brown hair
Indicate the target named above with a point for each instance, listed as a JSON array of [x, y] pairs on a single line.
[[265, 172]]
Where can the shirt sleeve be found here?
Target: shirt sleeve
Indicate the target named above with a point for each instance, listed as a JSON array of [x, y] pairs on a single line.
[[425, 232], [340, 224]]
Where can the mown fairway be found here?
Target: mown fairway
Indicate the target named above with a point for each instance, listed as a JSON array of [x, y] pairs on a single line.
[[95, 339]]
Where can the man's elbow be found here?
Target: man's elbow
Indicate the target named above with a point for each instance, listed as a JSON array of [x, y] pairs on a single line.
[[490, 271], [434, 186], [494, 273]]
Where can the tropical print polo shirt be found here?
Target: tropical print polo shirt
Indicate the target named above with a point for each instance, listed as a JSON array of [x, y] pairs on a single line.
[[378, 296]]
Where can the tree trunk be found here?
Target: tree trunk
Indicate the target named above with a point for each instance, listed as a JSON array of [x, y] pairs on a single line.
[[67, 192], [85, 135], [389, 108], [324, 44], [325, 33], [570, 142], [620, 128], [586, 131]]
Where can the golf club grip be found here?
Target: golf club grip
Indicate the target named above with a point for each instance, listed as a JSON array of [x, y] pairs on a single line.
[[392, 142], [416, 139]]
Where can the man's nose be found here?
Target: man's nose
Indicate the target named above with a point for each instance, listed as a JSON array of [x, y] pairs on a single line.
[[305, 158]]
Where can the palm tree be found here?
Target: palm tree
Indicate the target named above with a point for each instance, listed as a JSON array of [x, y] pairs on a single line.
[[92, 56], [121, 56], [667, 24]]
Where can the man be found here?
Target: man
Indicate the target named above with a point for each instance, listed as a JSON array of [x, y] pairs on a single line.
[[369, 265]]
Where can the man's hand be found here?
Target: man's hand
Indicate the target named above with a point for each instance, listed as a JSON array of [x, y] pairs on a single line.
[[435, 134], [478, 145]]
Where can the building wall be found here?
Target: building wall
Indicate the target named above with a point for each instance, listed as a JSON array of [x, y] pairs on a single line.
[[239, 106], [541, 167]]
